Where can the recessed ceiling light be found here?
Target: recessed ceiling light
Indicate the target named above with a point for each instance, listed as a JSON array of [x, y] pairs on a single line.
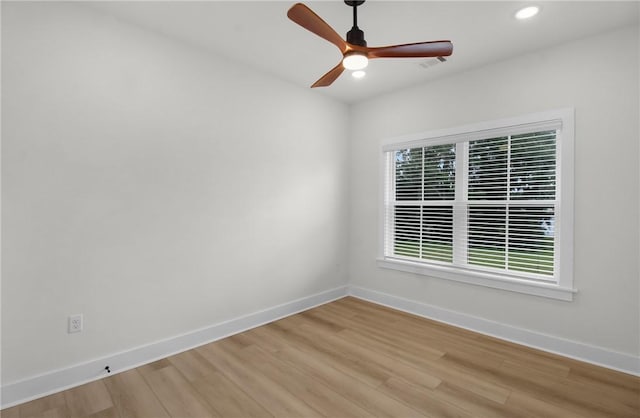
[[527, 12], [358, 74]]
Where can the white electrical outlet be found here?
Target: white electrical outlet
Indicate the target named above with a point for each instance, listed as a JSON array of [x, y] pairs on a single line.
[[75, 323]]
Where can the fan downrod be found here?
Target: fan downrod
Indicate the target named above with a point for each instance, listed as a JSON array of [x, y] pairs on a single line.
[[355, 36]]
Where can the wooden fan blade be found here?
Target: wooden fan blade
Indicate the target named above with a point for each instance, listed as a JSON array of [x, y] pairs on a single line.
[[306, 18], [416, 50], [329, 77]]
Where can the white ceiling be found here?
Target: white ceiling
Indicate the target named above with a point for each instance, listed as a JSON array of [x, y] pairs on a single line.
[[260, 35]]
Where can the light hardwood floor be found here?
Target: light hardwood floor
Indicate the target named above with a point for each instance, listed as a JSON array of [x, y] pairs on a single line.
[[350, 358]]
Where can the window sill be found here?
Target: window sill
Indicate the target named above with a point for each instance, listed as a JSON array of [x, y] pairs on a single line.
[[530, 287]]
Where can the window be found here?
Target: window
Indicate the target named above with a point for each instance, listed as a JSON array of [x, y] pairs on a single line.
[[489, 204]]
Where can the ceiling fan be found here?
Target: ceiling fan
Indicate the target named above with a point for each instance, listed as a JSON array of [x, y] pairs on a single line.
[[355, 52]]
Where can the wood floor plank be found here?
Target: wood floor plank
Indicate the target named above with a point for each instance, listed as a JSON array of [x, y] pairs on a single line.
[[331, 308], [395, 347], [291, 322], [422, 399], [558, 392], [492, 391], [132, 397], [55, 404], [60, 413], [422, 332], [268, 393], [13, 412], [265, 339], [591, 374], [311, 391], [192, 365], [471, 361], [347, 363], [551, 369], [106, 413], [371, 358], [352, 358], [535, 407], [374, 401], [516, 352], [156, 365], [614, 390], [478, 405], [176, 394], [88, 399], [227, 398], [450, 339], [371, 330], [383, 313]]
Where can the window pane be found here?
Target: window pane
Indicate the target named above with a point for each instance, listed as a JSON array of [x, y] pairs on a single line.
[[440, 172], [486, 229], [407, 231], [531, 235], [488, 169], [437, 233], [408, 166], [533, 166]]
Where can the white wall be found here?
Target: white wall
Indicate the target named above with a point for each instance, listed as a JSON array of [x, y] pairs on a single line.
[[153, 187], [599, 77]]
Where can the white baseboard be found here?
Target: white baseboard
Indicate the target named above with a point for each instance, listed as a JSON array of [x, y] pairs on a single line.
[[567, 348], [35, 387]]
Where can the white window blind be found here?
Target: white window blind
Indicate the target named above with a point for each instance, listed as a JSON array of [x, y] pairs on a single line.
[[489, 204]]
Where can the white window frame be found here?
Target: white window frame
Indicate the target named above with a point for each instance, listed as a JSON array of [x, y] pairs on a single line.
[[561, 287]]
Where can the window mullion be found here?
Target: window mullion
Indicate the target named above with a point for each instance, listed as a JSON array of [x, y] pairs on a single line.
[[460, 206], [421, 245], [390, 200], [507, 207]]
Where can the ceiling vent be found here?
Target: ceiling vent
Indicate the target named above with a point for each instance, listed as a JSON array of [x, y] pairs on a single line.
[[430, 62]]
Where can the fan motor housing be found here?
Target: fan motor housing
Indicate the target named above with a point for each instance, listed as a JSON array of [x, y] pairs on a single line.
[[356, 37]]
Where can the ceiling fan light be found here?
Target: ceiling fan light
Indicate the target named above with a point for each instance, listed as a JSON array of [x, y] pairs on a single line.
[[358, 74], [355, 61], [527, 12]]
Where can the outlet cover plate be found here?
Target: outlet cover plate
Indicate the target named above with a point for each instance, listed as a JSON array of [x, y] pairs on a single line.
[[75, 323]]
